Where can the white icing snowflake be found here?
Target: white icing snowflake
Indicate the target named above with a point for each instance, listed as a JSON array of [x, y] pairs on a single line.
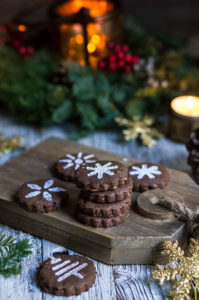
[[76, 161], [145, 171], [101, 170], [47, 187]]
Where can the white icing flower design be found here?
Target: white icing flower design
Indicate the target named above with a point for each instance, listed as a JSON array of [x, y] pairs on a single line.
[[45, 190], [145, 171], [101, 170], [76, 161]]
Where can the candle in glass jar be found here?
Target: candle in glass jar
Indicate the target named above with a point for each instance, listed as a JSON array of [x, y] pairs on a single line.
[[186, 106], [184, 117], [81, 43]]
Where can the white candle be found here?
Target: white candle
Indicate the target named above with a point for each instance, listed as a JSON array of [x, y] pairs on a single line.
[[186, 106]]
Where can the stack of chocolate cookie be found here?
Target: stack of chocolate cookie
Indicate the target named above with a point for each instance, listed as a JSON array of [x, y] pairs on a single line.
[[105, 196]]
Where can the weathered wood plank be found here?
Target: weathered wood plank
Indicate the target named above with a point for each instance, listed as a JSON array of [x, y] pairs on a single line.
[[134, 282]]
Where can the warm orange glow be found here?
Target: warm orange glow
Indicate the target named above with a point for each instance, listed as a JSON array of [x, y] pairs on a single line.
[[186, 106], [96, 7], [71, 52], [103, 36], [22, 28], [72, 41], [79, 39], [64, 27], [72, 38]]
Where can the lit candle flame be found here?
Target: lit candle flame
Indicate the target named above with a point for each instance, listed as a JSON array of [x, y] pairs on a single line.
[[190, 102], [186, 106]]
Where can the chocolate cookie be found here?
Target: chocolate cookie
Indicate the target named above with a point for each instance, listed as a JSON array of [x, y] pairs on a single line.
[[109, 196], [66, 275], [42, 195], [148, 176], [65, 167], [104, 210], [100, 222], [101, 176]]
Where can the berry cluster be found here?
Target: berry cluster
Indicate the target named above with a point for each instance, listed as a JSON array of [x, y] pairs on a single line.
[[119, 58], [25, 51], [17, 40]]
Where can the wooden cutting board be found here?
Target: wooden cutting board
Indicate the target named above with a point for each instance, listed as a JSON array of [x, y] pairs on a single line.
[[136, 241]]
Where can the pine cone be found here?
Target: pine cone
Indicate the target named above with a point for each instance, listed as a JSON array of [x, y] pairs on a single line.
[[195, 172], [193, 158], [193, 148], [193, 142]]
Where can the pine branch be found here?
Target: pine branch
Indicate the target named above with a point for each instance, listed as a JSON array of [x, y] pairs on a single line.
[[12, 254], [6, 243]]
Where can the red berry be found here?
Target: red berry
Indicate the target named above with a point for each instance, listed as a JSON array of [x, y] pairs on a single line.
[[120, 55], [111, 45], [22, 50], [117, 48], [135, 60], [128, 69], [128, 58], [112, 57], [30, 50], [125, 48], [112, 66], [121, 63], [102, 64]]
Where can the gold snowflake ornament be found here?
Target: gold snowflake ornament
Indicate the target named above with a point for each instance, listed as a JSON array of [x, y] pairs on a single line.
[[182, 269], [140, 130]]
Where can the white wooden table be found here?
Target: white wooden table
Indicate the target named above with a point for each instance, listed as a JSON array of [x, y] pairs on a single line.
[[113, 282]]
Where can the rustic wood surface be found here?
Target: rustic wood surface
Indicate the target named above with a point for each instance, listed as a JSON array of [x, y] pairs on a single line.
[[113, 282], [137, 237]]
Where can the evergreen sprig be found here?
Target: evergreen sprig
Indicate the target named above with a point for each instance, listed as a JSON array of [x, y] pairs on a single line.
[[6, 243], [92, 99], [12, 254]]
